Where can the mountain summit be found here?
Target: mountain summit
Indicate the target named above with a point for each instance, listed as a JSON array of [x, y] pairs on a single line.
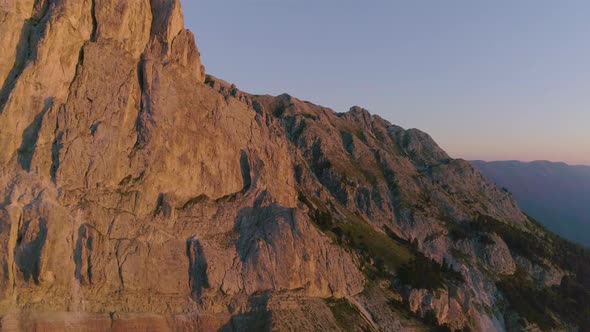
[[137, 193]]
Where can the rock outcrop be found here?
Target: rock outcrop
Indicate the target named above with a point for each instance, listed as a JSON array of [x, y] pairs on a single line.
[[137, 193], [125, 177]]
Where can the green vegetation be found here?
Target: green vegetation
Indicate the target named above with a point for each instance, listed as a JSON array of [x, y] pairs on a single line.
[[570, 300], [388, 255], [379, 135], [401, 307], [421, 272], [526, 300], [519, 241], [383, 254], [360, 134], [567, 255], [561, 252], [425, 273], [354, 233]]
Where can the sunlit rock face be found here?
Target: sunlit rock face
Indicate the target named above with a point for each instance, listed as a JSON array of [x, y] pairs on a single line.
[[129, 185], [138, 193]]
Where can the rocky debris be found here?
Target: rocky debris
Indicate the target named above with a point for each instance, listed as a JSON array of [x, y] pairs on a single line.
[[61, 321], [294, 313], [386, 309], [134, 183]]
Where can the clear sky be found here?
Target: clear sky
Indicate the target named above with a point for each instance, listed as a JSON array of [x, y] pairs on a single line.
[[488, 80]]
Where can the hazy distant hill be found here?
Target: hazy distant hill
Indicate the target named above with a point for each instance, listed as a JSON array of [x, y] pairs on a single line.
[[556, 194]]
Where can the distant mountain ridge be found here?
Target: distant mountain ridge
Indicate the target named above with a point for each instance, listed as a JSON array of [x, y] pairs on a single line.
[[555, 193]]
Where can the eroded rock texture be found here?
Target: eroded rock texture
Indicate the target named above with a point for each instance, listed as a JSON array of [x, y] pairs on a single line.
[[137, 193], [129, 185]]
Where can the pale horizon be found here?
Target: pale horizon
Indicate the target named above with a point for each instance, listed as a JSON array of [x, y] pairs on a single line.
[[525, 161]]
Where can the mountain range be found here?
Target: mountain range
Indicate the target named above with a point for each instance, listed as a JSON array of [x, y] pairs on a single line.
[[138, 193], [556, 194]]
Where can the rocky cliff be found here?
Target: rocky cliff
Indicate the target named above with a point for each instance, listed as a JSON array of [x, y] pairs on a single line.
[[138, 193]]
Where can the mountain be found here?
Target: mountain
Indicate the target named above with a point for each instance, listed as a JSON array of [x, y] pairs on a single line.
[[138, 193], [556, 194]]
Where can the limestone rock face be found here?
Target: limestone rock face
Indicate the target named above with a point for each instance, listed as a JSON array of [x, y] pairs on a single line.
[[137, 192], [490, 250], [129, 185], [447, 309]]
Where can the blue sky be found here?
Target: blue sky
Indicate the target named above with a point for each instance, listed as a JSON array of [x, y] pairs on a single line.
[[488, 80]]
